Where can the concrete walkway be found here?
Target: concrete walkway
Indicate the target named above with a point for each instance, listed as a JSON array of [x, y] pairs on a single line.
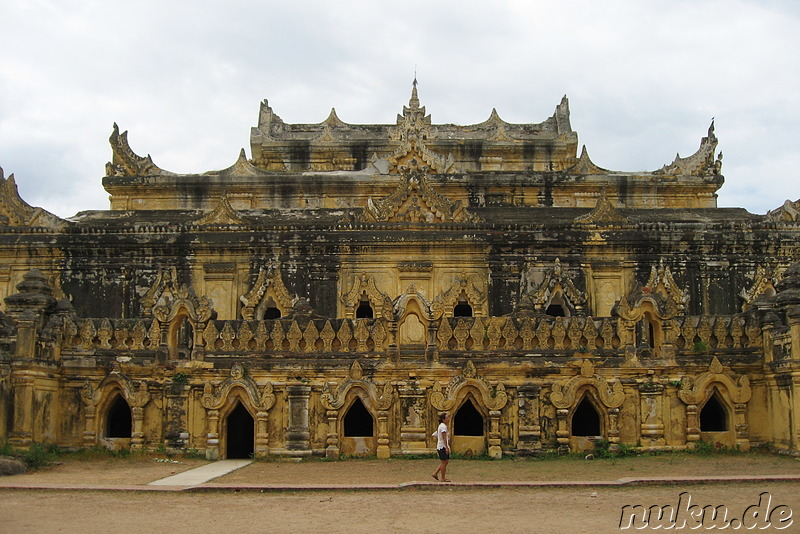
[[202, 474]]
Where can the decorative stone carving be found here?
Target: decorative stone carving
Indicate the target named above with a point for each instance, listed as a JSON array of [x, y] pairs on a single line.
[[415, 201], [604, 213], [493, 398], [16, 212], [363, 284], [473, 289], [376, 398], [788, 212], [136, 394], [556, 282], [764, 281], [564, 392], [268, 283], [222, 215], [411, 133], [125, 162], [701, 163]]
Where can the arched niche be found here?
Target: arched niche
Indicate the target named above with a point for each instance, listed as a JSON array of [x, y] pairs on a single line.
[[587, 421], [487, 399], [469, 424], [238, 432], [117, 420], [604, 396], [340, 401], [728, 400], [114, 412], [220, 401]]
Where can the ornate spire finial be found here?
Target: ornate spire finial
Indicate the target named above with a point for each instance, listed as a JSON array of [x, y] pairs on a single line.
[[414, 102]]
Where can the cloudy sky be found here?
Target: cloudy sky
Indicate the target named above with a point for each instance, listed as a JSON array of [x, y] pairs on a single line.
[[644, 79]]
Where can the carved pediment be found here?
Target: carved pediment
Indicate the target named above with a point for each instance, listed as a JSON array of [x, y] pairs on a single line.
[[565, 392], [261, 398], [125, 162], [476, 296], [222, 215], [698, 390], [492, 397], [268, 284], [375, 396], [662, 283], [603, 213], [363, 284], [415, 201], [167, 297], [556, 282], [584, 165]]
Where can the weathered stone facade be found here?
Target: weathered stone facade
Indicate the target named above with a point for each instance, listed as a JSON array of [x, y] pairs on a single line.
[[335, 292]]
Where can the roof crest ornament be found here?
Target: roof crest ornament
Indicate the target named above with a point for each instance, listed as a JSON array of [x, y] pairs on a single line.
[[16, 212], [125, 162], [701, 163], [411, 134]]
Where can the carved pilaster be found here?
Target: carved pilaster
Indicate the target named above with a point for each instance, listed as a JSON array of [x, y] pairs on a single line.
[[298, 434]]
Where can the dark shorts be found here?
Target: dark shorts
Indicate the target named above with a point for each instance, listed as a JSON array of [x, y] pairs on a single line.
[[443, 454]]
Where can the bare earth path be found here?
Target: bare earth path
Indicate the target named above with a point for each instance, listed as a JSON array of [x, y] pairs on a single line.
[[419, 508]]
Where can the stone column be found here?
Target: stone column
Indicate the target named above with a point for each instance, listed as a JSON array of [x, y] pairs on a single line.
[[652, 414], [262, 434], [530, 431], [413, 438], [562, 434], [21, 429], [692, 426], [212, 438], [383, 434], [332, 443], [495, 450], [298, 434], [137, 435], [741, 427]]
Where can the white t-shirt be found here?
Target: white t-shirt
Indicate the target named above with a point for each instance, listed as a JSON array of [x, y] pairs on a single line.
[[440, 436]]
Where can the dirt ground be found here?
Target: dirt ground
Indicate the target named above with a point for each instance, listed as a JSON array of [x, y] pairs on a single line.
[[434, 508]]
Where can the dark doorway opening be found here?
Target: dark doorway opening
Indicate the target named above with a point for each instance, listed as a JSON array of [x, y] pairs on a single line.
[[585, 419], [358, 422], [713, 416], [272, 313], [241, 433], [555, 310], [119, 419], [468, 421], [364, 310], [462, 309]]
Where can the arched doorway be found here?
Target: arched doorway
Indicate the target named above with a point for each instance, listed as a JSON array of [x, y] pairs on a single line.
[[240, 438], [586, 425], [119, 422], [469, 429], [358, 430], [715, 427]]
